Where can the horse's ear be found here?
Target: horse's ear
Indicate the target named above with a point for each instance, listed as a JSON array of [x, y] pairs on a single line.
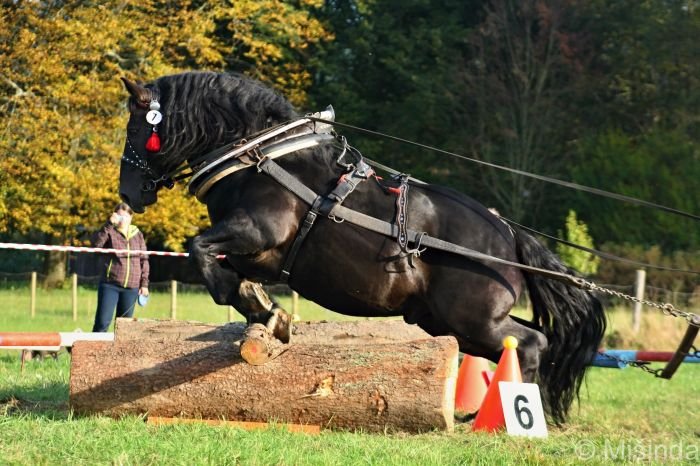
[[137, 91]]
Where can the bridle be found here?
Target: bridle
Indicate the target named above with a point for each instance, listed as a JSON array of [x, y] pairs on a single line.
[[139, 161], [206, 170]]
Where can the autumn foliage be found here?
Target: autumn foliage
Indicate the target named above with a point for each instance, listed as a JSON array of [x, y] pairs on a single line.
[[62, 103]]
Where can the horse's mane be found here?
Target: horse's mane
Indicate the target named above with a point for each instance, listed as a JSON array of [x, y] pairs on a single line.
[[205, 110]]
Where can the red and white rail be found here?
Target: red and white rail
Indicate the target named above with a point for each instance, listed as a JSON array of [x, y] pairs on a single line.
[[48, 341]]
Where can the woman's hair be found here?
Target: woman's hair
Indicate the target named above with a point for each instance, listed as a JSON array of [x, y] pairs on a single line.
[[124, 206]]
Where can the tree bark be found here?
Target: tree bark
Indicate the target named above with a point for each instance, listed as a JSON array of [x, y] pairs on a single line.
[[405, 386], [335, 333], [55, 268]]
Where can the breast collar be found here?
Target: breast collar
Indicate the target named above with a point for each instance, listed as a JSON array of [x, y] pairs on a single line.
[[272, 143]]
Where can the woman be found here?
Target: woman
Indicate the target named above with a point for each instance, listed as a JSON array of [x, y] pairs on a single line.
[[125, 275]]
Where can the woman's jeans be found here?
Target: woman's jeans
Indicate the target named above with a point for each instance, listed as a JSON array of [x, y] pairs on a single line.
[[110, 296]]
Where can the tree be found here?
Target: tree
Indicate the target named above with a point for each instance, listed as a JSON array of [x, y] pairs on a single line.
[[518, 72], [62, 104], [577, 233], [638, 105], [391, 69], [661, 166]]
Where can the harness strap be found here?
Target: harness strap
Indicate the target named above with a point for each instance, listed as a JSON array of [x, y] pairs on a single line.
[[303, 230], [349, 181], [376, 225]]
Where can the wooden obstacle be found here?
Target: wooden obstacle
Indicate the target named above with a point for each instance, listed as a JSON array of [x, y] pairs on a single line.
[[370, 375]]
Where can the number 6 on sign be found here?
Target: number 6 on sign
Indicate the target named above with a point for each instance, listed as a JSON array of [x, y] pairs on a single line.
[[522, 408]]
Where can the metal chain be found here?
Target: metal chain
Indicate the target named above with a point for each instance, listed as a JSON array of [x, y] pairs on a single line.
[[643, 365], [667, 308]]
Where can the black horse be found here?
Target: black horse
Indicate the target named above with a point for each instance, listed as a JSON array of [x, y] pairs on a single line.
[[345, 267]]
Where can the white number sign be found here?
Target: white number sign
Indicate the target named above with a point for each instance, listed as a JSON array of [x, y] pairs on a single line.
[[522, 408]]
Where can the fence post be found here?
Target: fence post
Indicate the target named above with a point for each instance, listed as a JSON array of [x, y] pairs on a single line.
[[74, 287], [32, 296], [173, 299], [295, 306], [639, 285], [230, 313]]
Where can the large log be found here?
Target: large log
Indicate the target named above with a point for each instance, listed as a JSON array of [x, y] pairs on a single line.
[[407, 386], [352, 332]]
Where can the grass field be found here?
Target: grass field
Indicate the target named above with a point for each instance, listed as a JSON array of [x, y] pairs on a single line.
[[54, 309], [625, 416]]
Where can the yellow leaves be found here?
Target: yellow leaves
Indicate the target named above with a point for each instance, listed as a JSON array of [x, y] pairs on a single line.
[[62, 112], [312, 3]]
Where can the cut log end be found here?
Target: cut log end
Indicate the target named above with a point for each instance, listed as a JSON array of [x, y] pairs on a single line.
[[259, 345]]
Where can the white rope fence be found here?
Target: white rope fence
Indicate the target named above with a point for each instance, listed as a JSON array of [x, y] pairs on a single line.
[[92, 250], [44, 247]]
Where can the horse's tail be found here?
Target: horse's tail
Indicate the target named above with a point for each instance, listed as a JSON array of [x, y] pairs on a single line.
[[573, 321]]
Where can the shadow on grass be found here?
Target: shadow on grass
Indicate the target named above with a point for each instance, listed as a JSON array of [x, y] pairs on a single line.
[[41, 400]]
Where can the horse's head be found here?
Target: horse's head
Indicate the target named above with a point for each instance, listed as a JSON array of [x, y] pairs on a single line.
[[192, 114], [141, 171]]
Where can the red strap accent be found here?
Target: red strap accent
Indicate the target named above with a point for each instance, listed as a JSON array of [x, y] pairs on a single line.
[[396, 191], [341, 179]]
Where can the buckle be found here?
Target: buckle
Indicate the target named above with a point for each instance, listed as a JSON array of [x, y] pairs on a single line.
[[310, 218]]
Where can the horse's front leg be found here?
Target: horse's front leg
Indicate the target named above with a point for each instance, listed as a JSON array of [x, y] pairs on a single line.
[[227, 287]]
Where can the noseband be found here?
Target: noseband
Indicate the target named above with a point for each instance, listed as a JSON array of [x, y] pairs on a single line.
[[140, 162]]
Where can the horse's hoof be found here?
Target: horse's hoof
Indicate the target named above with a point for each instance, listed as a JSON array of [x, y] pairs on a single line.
[[280, 324]]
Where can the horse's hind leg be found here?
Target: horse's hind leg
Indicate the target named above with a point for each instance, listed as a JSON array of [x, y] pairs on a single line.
[[485, 339]]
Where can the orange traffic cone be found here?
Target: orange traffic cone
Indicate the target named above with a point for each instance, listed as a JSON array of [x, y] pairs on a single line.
[[490, 416], [471, 385]]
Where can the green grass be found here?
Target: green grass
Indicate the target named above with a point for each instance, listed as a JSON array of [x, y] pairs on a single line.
[[625, 413], [625, 416], [54, 309]]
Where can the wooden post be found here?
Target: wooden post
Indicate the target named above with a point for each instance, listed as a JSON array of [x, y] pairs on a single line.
[[230, 313], [173, 299], [639, 285], [74, 282], [295, 306], [32, 296]]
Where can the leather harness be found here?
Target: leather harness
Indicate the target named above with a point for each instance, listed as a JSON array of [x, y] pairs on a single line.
[[304, 133]]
